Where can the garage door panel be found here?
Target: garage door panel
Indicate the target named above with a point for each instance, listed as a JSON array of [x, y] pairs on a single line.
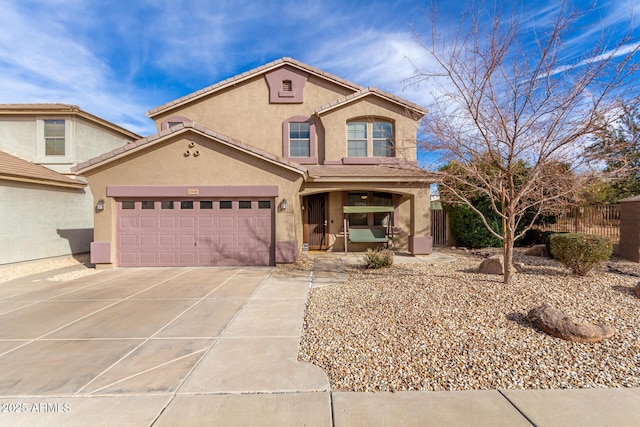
[[245, 240], [167, 222], [226, 222], [128, 240], [199, 236], [208, 222], [148, 258], [167, 239], [186, 222], [146, 222], [263, 222], [246, 222], [168, 258], [127, 222], [128, 258]]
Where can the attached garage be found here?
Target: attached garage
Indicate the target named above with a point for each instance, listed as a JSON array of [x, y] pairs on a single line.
[[195, 232], [190, 197]]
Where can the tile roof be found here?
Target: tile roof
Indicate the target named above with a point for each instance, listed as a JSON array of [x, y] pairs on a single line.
[[39, 106], [15, 169], [121, 151], [57, 108], [399, 171], [251, 73], [372, 91]]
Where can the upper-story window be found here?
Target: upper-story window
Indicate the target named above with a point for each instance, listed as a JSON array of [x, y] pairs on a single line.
[[382, 139], [364, 137], [299, 139], [54, 138], [357, 139]]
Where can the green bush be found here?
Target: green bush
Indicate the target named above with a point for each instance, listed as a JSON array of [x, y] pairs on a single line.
[[580, 252], [531, 237], [378, 258], [468, 228]]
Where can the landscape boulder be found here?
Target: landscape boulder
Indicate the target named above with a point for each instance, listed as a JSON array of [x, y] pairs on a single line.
[[537, 250], [556, 323], [493, 265]]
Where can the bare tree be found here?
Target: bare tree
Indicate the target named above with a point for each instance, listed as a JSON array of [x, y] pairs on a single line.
[[504, 97]]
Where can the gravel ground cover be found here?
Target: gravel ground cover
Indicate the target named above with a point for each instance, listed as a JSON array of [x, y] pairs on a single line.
[[446, 327]]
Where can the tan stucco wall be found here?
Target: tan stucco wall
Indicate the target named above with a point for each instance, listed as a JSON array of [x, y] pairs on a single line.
[[413, 203], [334, 122], [165, 163], [243, 112]]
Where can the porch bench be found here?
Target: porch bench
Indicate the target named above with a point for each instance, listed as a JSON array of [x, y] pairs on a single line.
[[368, 235]]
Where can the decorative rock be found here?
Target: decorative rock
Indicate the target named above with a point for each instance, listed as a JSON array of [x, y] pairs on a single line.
[[537, 250], [637, 290], [493, 265], [556, 323]]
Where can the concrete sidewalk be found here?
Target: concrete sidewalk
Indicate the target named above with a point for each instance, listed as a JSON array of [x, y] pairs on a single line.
[[250, 375]]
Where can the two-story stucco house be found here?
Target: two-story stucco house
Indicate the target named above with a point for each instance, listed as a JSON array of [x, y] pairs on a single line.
[[250, 170], [45, 210]]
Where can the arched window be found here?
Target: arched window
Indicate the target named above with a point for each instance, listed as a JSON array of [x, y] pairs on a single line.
[[370, 136]]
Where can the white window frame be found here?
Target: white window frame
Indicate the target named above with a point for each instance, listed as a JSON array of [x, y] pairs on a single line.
[[69, 131], [307, 140], [369, 140]]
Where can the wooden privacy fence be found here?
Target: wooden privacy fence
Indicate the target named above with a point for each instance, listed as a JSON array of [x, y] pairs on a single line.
[[601, 220]]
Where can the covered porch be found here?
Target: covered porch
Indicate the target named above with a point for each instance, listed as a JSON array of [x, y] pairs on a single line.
[[356, 219]]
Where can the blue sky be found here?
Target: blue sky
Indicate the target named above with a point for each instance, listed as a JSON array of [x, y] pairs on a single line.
[[118, 59]]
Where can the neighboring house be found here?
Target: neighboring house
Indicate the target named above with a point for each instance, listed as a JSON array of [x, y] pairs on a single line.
[[45, 210], [248, 170]]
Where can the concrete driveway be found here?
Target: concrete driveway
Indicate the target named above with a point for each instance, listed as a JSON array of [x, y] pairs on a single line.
[[155, 346]]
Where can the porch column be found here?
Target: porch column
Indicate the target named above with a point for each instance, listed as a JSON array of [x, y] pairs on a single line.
[[420, 241]]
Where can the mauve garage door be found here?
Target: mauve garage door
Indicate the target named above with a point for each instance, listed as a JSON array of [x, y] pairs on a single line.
[[195, 232]]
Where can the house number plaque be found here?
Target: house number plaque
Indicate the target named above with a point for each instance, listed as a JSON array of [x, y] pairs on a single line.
[[192, 191]]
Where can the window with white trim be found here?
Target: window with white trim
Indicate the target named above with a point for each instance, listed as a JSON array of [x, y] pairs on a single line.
[[375, 137], [54, 137], [357, 139], [299, 139]]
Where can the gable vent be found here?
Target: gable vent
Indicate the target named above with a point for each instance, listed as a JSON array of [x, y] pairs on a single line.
[[287, 86]]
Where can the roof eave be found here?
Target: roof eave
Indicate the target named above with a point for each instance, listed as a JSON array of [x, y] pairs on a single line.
[[48, 182], [147, 142], [232, 81]]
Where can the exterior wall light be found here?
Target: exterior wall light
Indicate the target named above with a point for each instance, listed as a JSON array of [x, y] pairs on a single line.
[[100, 205], [283, 205]]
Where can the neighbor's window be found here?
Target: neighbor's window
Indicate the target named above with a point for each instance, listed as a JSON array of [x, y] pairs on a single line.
[[54, 138], [299, 139], [357, 139]]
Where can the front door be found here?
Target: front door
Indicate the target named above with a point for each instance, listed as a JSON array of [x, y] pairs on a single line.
[[316, 221]]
